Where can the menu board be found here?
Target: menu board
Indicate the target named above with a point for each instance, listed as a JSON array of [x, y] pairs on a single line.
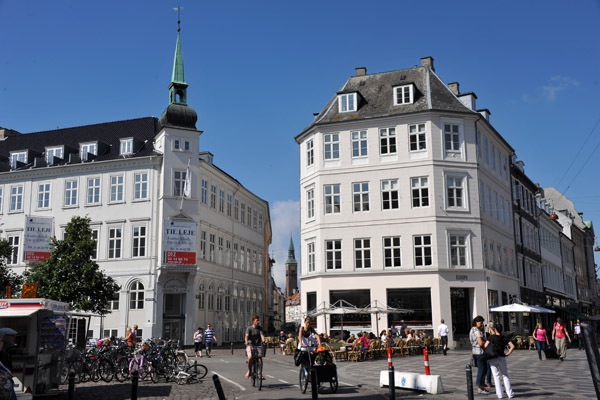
[[53, 332]]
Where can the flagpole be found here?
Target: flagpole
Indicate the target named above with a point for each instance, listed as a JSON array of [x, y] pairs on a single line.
[[187, 185]]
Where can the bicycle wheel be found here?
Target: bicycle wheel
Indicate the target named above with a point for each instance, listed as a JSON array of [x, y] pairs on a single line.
[[259, 373], [198, 369], [106, 370], [77, 367], [253, 373], [122, 370], [93, 371], [334, 383], [192, 373], [303, 378]]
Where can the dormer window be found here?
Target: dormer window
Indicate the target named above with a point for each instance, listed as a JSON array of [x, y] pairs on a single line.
[[403, 95], [20, 156], [347, 102], [91, 148], [127, 146], [52, 152]]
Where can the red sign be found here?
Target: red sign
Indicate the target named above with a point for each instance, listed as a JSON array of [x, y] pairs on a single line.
[[36, 255], [180, 257], [4, 304]]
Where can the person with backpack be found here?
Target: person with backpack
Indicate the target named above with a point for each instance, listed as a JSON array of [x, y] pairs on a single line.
[[541, 339], [498, 364], [559, 331]]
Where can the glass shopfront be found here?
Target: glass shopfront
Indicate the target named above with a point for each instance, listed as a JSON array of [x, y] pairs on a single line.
[[417, 299]]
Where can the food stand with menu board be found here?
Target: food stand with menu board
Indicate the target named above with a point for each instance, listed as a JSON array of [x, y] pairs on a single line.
[[42, 327]]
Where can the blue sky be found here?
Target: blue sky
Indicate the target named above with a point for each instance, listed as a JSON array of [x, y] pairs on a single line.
[[258, 70]]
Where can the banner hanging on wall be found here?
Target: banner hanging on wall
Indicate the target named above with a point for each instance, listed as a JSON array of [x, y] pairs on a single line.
[[179, 242], [38, 231]]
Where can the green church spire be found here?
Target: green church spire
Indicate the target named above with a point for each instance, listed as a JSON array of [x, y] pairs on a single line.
[[291, 253], [178, 87], [178, 75]]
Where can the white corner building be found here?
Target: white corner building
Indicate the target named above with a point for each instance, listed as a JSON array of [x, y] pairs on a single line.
[[186, 242], [405, 200]]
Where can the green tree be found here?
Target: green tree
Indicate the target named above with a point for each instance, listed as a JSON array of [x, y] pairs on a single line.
[[7, 276], [70, 275]]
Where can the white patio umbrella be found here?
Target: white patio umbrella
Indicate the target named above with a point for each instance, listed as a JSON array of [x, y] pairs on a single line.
[[377, 308], [522, 308]]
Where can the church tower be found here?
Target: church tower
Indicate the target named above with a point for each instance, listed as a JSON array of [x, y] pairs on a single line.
[[291, 271]]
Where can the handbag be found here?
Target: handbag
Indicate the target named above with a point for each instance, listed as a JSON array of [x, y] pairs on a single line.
[[489, 352]]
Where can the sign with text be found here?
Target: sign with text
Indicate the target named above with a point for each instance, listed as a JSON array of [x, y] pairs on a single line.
[[179, 242], [38, 231]]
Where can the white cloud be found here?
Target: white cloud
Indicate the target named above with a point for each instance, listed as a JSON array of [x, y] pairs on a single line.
[[285, 220], [551, 90]]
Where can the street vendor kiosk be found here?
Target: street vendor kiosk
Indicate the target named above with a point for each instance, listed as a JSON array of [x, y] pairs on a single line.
[[43, 328]]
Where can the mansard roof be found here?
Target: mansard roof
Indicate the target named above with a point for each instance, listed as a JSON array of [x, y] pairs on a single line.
[[109, 133], [375, 96]]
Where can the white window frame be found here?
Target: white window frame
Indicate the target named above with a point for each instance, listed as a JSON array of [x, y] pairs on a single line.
[[310, 152], [116, 182], [360, 197], [1, 199], [187, 145], [213, 195], [229, 204], [388, 143], [178, 182], [126, 146], [310, 252], [94, 190], [456, 249], [14, 240], [452, 190], [51, 152], [360, 144], [456, 137], [221, 200], [333, 254], [71, 192], [362, 253], [332, 199], [310, 202], [139, 241], [417, 138], [136, 295], [44, 191], [331, 146], [140, 185], [115, 243], [96, 237], [177, 144], [407, 94], [89, 147], [419, 191], [389, 187], [425, 248], [347, 102], [392, 251], [20, 156], [204, 191], [16, 198]]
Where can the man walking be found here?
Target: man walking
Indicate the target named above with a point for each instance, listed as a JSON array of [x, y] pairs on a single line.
[[443, 336], [209, 338], [577, 331]]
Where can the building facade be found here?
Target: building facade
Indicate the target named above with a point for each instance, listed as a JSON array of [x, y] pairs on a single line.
[[186, 242], [405, 199]]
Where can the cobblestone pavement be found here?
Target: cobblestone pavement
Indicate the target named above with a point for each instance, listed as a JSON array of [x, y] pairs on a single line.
[[530, 378]]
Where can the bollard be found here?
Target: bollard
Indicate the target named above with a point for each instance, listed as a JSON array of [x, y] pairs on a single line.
[[71, 392], [231, 348], [314, 387], [135, 377], [218, 387], [392, 380], [469, 382], [426, 362]]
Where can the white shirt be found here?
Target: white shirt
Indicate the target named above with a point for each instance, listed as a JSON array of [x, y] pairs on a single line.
[[443, 330], [577, 329]]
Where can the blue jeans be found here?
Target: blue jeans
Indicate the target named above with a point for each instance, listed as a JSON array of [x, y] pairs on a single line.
[[482, 368], [541, 346]]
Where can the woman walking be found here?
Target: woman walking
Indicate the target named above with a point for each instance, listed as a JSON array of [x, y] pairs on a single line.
[[541, 339], [198, 342], [498, 364], [559, 331]]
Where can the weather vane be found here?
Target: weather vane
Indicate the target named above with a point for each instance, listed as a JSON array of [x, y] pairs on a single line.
[[178, 9]]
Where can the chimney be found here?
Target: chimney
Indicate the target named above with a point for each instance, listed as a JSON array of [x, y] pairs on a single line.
[[454, 88], [361, 71], [427, 62]]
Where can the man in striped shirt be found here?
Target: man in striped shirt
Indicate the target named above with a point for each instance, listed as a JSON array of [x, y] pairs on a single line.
[[209, 337]]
